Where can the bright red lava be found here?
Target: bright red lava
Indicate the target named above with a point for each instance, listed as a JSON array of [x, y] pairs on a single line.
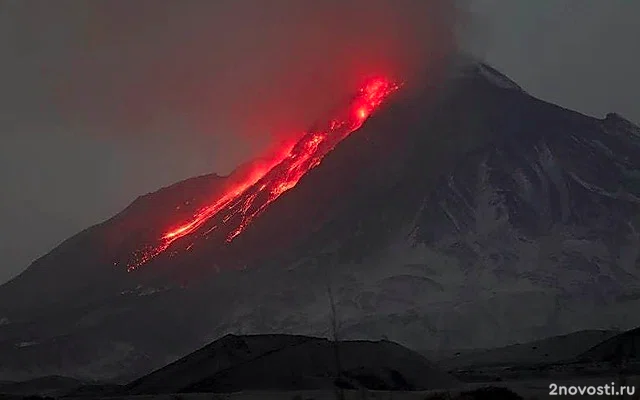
[[246, 200]]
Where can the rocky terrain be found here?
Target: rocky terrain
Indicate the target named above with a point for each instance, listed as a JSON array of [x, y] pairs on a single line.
[[299, 367], [464, 214]]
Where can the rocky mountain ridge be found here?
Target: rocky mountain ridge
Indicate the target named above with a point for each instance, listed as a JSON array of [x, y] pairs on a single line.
[[464, 215]]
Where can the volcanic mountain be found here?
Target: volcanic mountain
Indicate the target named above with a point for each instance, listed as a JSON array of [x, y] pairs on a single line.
[[464, 214]]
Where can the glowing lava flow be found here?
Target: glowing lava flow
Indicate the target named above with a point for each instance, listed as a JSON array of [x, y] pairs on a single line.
[[245, 201]]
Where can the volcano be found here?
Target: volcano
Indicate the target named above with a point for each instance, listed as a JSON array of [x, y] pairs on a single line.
[[462, 213], [245, 200]]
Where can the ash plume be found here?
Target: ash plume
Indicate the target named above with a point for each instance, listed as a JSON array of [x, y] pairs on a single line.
[[252, 71], [112, 99]]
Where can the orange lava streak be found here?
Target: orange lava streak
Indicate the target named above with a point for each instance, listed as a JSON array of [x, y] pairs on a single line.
[[245, 201]]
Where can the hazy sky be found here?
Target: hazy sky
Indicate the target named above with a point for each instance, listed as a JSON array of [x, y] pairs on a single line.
[[104, 100]]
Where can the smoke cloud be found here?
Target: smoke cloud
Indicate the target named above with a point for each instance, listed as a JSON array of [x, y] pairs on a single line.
[[254, 71], [105, 100]]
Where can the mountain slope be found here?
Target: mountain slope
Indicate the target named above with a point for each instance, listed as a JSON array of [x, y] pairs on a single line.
[[467, 214], [554, 349], [284, 362], [622, 348]]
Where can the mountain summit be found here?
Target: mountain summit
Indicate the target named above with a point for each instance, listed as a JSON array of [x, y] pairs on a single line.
[[464, 214]]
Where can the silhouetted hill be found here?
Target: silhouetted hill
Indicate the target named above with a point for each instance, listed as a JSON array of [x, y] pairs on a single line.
[[283, 362], [623, 347]]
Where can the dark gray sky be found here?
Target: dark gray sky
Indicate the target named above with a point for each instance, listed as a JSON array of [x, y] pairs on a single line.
[[104, 100]]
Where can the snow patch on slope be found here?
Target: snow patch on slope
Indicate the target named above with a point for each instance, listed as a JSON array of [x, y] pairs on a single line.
[[619, 195]]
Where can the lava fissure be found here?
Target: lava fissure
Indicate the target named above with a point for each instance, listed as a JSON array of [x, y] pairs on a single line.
[[246, 200]]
